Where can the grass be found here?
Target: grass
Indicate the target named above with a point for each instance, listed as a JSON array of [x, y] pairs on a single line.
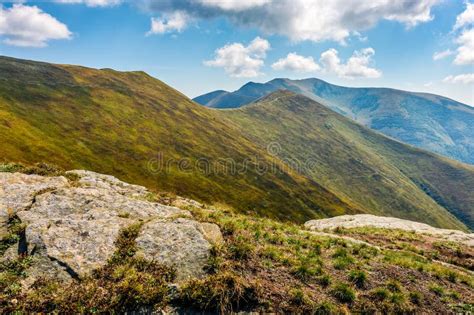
[[343, 293], [137, 128], [358, 278], [223, 292], [387, 177], [14, 229], [78, 117], [263, 265]]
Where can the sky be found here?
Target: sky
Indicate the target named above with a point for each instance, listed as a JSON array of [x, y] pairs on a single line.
[[198, 46]]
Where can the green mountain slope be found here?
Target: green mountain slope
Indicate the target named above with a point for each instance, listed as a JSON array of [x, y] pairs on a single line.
[[141, 130], [427, 121], [137, 128], [360, 166]]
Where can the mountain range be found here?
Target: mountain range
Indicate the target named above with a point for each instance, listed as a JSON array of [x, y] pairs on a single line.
[[285, 156], [431, 122]]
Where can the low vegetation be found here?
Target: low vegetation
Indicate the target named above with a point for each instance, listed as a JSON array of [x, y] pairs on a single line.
[[263, 265]]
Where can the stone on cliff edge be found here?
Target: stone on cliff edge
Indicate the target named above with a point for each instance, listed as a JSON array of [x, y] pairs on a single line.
[[72, 227], [368, 220]]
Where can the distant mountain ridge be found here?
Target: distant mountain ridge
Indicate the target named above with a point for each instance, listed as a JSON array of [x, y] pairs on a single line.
[[427, 121]]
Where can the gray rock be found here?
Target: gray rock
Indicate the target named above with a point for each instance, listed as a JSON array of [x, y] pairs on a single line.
[[109, 183], [18, 191], [361, 220], [179, 243], [71, 229]]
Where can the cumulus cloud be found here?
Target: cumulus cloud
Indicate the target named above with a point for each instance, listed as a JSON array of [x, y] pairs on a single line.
[[357, 66], [465, 51], [465, 36], [92, 3], [466, 78], [442, 54], [466, 17], [296, 63], [174, 22], [234, 5], [302, 19], [29, 26], [241, 61]]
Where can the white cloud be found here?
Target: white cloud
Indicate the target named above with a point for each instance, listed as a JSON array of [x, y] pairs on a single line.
[[234, 5], [466, 78], [241, 61], [92, 3], [174, 22], [465, 51], [357, 66], [303, 19], [29, 26], [465, 39], [297, 63], [465, 18], [442, 54]]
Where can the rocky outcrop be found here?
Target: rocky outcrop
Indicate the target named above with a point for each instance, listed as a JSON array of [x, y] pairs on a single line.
[[72, 225], [368, 220]]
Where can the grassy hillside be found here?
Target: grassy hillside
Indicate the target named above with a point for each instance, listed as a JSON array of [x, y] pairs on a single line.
[[377, 174], [137, 128], [141, 130]]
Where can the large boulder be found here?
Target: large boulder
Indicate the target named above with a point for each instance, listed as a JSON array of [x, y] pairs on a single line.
[[368, 220], [71, 227]]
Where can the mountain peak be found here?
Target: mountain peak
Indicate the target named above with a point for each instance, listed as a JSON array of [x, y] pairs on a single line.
[[427, 121]]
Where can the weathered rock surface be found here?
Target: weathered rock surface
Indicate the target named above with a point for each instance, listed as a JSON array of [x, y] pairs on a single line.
[[71, 227], [179, 243], [362, 220], [18, 191]]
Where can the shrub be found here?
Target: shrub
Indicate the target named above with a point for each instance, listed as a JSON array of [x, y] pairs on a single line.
[[305, 270], [341, 263], [394, 286], [358, 277], [325, 308], [416, 298], [342, 259], [298, 297], [436, 289], [10, 167], [224, 292], [343, 293], [324, 280], [451, 276], [241, 248], [380, 294]]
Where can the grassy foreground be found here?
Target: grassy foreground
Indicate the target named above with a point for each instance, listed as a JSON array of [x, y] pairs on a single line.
[[262, 265]]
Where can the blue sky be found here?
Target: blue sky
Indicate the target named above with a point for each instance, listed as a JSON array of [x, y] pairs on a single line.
[[198, 46]]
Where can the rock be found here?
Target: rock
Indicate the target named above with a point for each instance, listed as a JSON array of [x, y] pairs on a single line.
[[212, 233], [107, 182], [361, 220], [179, 243], [71, 229], [184, 203], [18, 191]]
